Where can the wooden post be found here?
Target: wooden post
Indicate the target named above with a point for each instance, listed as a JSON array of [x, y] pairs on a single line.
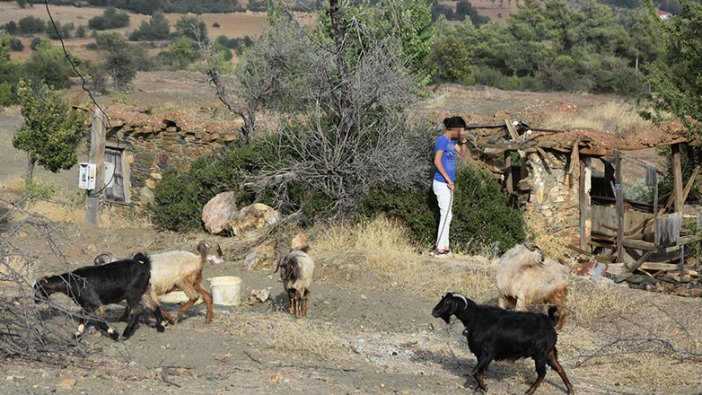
[[96, 156], [677, 179], [584, 187], [619, 193], [508, 177]]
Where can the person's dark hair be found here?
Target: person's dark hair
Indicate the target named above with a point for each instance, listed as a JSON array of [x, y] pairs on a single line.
[[454, 122]]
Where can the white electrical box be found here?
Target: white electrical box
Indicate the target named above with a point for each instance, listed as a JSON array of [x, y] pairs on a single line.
[[86, 179]]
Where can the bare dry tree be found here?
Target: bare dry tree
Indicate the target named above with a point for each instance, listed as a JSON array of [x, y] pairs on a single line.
[[349, 132], [31, 244]]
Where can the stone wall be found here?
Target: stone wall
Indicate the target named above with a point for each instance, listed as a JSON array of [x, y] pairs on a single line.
[[553, 195], [153, 143]]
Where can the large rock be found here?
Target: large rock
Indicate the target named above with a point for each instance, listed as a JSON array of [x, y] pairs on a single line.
[[252, 217], [219, 212]]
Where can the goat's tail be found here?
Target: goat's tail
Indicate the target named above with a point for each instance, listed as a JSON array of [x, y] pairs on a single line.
[[141, 258], [552, 315], [202, 249]]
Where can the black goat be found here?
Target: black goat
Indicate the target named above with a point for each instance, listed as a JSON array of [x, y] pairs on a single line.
[[91, 287], [497, 334]]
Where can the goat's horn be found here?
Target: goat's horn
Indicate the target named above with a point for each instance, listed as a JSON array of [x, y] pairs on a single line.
[[462, 297]]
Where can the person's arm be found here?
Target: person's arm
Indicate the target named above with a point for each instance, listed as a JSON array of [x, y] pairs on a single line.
[[440, 168], [461, 150]]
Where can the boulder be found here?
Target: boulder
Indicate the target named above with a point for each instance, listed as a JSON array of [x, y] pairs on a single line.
[[261, 256], [219, 212], [254, 216]]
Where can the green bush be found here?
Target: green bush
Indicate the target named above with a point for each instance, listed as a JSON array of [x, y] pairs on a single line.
[[179, 198], [7, 98], [176, 205], [482, 215]]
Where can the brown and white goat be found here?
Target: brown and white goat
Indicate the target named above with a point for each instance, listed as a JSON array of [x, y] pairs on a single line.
[[296, 270], [181, 270], [526, 277]]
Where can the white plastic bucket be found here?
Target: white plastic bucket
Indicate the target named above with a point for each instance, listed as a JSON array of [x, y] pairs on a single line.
[[226, 290]]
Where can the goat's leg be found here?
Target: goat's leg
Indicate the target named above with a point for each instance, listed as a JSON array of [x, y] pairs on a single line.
[[208, 301], [155, 309], [193, 296], [305, 301], [540, 363], [291, 299], [521, 303], [552, 361], [136, 310], [561, 318], [479, 372]]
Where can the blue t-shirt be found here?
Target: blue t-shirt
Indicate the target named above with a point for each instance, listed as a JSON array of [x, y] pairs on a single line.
[[448, 159]]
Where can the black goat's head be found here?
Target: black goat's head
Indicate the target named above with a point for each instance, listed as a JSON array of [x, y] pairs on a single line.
[[450, 304], [41, 290]]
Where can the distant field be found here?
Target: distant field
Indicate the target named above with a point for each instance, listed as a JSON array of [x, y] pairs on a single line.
[[496, 10], [238, 24]]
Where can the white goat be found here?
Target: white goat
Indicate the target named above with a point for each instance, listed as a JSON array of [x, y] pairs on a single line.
[[525, 277], [296, 270]]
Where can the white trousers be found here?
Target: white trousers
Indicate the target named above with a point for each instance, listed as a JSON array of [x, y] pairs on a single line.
[[443, 196]]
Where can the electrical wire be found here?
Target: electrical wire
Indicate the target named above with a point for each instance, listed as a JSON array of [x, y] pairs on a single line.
[[83, 86]]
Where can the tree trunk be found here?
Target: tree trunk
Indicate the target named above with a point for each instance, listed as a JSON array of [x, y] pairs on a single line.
[[30, 166], [341, 64]]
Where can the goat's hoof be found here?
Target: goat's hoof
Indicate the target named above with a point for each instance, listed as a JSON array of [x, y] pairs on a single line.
[[160, 328], [115, 336]]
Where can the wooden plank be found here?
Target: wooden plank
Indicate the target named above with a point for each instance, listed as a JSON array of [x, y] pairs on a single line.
[[668, 229], [677, 179], [544, 156], [638, 262], [662, 267], [584, 187], [509, 182], [96, 156], [512, 131], [619, 193], [638, 244]]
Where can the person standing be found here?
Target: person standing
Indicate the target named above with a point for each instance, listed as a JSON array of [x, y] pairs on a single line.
[[449, 146]]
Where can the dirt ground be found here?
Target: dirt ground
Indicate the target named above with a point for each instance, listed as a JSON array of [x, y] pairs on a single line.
[[362, 335], [366, 333]]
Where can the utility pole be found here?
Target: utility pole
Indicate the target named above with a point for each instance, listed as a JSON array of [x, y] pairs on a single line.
[[96, 156]]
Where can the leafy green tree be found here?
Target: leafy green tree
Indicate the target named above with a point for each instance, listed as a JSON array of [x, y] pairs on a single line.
[[157, 28], [675, 77], [48, 63], [50, 133], [11, 27], [191, 27], [5, 40], [31, 25], [111, 18], [451, 54], [80, 31], [409, 22], [121, 59]]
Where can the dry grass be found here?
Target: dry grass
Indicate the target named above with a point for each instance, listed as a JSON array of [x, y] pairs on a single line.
[[382, 247], [550, 244], [617, 117], [589, 302], [14, 185], [110, 217]]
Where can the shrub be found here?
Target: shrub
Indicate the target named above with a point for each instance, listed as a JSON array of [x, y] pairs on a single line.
[[179, 198], [11, 27], [80, 32], [216, 25], [176, 205], [482, 215], [35, 43], [16, 44], [6, 96], [111, 18], [31, 25]]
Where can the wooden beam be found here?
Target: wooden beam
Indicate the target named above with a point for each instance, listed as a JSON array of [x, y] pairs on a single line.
[[619, 193], [512, 131], [638, 262], [677, 179], [584, 186], [96, 156], [509, 183], [638, 244]]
